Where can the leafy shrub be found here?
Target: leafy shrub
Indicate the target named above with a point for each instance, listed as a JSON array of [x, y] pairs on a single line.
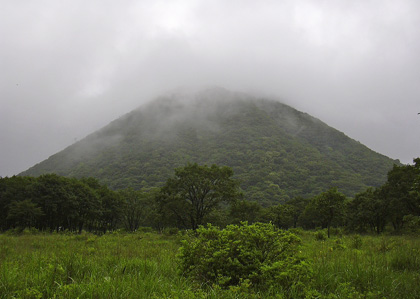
[[320, 235], [337, 231], [338, 244], [145, 229], [23, 231], [259, 253], [170, 231], [412, 223], [297, 231]]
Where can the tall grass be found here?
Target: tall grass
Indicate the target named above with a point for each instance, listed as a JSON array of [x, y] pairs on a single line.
[[366, 267], [144, 265], [111, 266]]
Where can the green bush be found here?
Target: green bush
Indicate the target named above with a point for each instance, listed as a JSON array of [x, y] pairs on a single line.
[[23, 231], [412, 223], [337, 231], [339, 244], [320, 235], [170, 231], [145, 229], [297, 231], [259, 253]]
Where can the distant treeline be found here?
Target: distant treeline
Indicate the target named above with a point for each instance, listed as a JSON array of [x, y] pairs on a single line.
[[54, 203]]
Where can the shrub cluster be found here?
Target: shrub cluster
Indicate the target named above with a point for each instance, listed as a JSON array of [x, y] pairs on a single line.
[[258, 254]]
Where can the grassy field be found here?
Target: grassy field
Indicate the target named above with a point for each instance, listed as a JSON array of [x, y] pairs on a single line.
[[144, 265]]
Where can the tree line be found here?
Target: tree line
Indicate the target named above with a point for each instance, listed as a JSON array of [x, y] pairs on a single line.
[[197, 195], [396, 204], [55, 203]]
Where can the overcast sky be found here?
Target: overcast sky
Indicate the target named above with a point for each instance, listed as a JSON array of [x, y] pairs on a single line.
[[67, 68]]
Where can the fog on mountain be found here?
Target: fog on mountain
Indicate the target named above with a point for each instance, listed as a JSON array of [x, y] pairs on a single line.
[[276, 151]]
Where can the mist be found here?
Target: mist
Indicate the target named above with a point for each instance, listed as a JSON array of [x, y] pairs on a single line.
[[68, 68]]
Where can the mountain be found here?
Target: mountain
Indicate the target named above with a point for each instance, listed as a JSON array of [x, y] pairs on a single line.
[[275, 151]]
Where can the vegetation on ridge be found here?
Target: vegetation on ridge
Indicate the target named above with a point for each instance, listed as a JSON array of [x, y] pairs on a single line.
[[275, 151]]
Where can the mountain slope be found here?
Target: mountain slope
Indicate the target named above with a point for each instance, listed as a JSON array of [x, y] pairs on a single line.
[[276, 151]]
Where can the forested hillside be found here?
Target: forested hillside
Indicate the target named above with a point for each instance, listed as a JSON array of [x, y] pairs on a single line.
[[276, 152]]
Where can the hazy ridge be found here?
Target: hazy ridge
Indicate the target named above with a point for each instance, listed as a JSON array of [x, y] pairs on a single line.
[[276, 151]]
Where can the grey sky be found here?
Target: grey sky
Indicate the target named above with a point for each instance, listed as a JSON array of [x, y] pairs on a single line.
[[68, 68]]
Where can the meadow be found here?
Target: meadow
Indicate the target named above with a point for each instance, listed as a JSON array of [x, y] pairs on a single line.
[[144, 265]]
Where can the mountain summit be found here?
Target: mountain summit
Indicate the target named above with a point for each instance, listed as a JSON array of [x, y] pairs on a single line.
[[275, 151]]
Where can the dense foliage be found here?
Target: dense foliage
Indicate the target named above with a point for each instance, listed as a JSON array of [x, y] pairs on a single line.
[[259, 254], [197, 195], [54, 203], [395, 202], [195, 191], [275, 151]]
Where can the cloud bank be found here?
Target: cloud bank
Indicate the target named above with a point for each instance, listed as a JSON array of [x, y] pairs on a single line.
[[68, 68]]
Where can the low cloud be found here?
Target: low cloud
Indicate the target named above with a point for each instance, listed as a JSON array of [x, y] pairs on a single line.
[[68, 68]]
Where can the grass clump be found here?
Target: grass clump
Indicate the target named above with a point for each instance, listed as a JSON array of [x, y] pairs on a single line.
[[356, 242]]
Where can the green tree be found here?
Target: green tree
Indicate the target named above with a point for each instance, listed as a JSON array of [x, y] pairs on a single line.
[[111, 209], [24, 213], [309, 219], [85, 205], [50, 192], [281, 215], [134, 211], [299, 203], [416, 185], [417, 167], [329, 206], [195, 191], [15, 188], [367, 209], [398, 192], [244, 210], [110, 206]]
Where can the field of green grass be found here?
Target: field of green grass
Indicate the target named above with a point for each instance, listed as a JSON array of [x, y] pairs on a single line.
[[144, 265]]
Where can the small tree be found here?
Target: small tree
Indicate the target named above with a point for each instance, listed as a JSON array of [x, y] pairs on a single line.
[[138, 207], [329, 206], [195, 191], [416, 185], [368, 208], [399, 192], [299, 204]]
